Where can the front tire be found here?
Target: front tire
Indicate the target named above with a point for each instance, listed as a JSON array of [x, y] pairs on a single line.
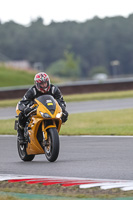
[[52, 145], [22, 152]]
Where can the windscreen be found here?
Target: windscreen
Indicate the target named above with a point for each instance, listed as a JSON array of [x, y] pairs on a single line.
[[48, 101]]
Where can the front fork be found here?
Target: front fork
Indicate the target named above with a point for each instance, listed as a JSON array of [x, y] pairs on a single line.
[[44, 130]]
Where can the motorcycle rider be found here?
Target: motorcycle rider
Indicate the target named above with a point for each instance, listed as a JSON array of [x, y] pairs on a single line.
[[42, 86]]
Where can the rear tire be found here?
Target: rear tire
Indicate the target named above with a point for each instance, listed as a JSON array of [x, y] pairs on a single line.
[[22, 152], [52, 145]]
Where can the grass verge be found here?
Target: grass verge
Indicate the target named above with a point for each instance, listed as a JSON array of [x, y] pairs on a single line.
[[15, 77], [118, 122], [99, 96], [10, 76], [9, 103], [7, 127]]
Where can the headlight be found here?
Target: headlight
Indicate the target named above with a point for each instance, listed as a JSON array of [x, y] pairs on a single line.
[[45, 115], [59, 115]]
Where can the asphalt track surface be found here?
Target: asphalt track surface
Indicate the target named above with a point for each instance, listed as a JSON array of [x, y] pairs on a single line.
[[79, 107], [83, 157]]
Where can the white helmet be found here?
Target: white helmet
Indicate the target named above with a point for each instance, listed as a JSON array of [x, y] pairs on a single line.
[[42, 82]]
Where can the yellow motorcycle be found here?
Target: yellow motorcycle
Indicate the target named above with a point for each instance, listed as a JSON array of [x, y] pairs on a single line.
[[42, 128]]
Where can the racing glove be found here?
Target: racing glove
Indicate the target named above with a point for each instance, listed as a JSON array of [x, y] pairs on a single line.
[[64, 116], [28, 111]]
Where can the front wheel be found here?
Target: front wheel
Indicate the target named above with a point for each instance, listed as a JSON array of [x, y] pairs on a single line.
[[52, 145], [22, 152]]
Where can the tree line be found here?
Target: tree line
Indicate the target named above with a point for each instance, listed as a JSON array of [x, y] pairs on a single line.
[[72, 49]]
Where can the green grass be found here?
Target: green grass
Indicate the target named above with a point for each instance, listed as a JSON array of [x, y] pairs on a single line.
[[99, 96], [7, 127], [9, 103], [15, 77], [100, 123], [118, 122], [10, 76]]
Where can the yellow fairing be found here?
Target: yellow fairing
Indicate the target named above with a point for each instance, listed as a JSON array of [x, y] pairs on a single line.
[[17, 110], [37, 120]]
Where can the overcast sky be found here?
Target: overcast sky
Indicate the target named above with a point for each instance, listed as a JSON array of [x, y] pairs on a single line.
[[23, 11]]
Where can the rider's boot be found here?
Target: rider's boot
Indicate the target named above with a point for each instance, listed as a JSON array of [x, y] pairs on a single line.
[[21, 134]]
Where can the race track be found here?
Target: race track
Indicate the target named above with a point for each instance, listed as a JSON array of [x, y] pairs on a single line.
[[79, 107], [84, 157]]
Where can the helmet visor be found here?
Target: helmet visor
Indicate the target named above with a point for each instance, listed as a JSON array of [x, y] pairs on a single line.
[[43, 85]]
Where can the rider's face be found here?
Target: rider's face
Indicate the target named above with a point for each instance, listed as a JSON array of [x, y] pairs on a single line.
[[43, 85]]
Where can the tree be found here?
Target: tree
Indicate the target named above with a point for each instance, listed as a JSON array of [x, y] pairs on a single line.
[[67, 67], [95, 42]]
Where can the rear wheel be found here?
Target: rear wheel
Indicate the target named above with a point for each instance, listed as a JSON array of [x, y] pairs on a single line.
[[22, 152], [52, 145]]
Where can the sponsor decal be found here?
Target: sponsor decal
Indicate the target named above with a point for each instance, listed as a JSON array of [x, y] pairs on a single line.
[[48, 101], [50, 104]]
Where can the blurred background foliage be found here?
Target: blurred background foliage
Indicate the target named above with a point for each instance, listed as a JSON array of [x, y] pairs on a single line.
[[71, 49]]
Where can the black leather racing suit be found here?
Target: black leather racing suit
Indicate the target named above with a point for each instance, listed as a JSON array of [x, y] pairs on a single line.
[[33, 93]]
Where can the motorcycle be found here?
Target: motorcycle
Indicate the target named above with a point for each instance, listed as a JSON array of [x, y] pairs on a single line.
[[42, 128]]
